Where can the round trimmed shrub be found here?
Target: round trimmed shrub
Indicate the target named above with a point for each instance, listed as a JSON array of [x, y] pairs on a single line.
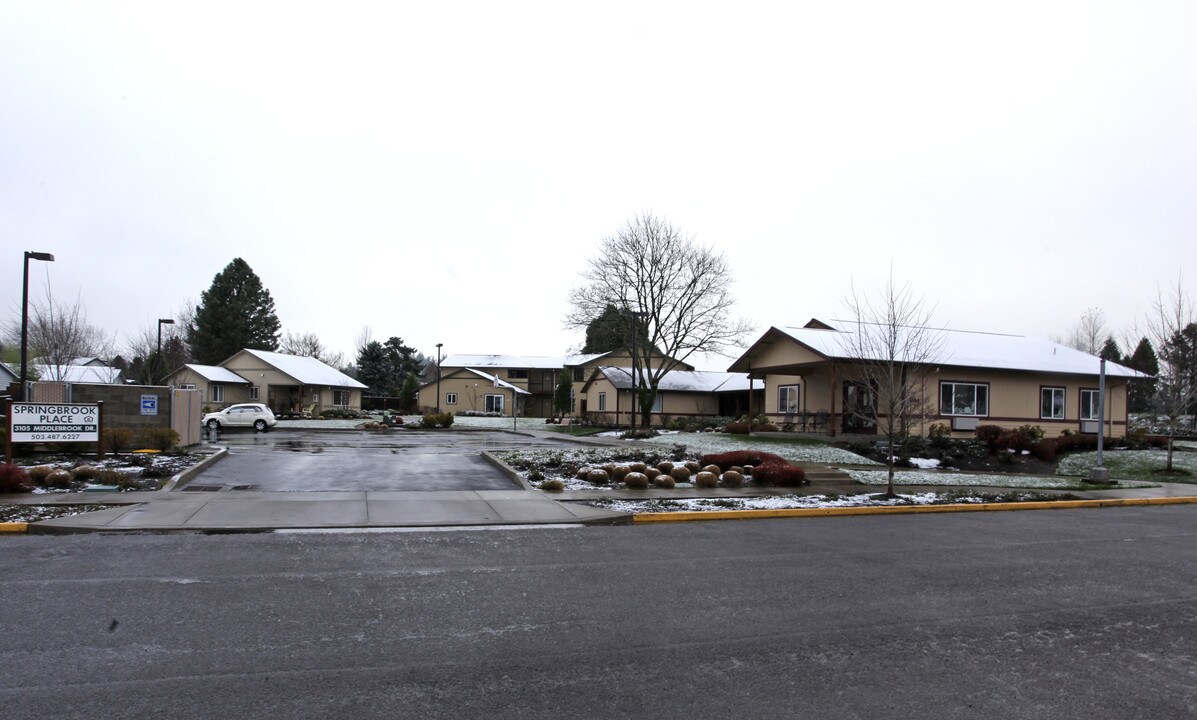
[[638, 467], [693, 466], [681, 474], [665, 467], [619, 472], [635, 481], [597, 476], [40, 473], [706, 479], [85, 472], [59, 478], [583, 473], [733, 479], [552, 486], [651, 472], [712, 469], [665, 481]]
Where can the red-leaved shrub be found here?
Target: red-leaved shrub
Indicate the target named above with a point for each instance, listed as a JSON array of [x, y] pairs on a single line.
[[779, 473], [14, 479]]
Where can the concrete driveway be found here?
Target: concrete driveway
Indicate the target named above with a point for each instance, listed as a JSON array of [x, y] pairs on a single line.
[[365, 460]]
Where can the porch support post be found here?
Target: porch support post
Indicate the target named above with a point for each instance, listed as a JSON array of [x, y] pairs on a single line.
[[831, 420], [750, 389]]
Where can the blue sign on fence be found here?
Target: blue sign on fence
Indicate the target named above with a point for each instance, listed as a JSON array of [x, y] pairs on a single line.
[[149, 404]]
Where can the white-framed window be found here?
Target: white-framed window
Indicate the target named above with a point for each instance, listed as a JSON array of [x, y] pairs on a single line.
[[494, 403], [316, 398], [341, 398], [787, 399], [450, 398], [602, 401], [1051, 403], [1090, 404], [657, 403], [968, 399], [187, 386], [217, 393], [254, 392]]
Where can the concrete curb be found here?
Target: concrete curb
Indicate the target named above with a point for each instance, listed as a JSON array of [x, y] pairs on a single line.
[[698, 515], [185, 477], [512, 475]]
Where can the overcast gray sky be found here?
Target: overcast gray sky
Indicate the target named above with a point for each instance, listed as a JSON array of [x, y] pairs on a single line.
[[440, 171]]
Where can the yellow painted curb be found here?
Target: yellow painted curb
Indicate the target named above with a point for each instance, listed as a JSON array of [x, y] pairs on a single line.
[[13, 527], [693, 515]]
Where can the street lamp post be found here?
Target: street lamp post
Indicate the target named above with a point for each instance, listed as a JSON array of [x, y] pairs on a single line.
[[438, 377], [158, 356], [44, 257]]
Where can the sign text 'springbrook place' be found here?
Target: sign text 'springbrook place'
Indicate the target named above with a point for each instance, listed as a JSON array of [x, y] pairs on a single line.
[[36, 422]]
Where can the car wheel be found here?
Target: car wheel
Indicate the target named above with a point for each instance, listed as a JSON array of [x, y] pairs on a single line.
[[260, 425], [213, 424]]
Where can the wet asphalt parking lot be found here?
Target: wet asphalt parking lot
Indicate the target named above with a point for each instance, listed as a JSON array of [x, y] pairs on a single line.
[[362, 460]]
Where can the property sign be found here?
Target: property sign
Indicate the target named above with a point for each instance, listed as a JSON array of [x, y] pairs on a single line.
[[149, 404], [38, 422]]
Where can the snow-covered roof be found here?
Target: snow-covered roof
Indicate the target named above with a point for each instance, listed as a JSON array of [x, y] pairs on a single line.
[[215, 373], [531, 362], [496, 382], [683, 380], [976, 350], [8, 372], [307, 370], [82, 374]]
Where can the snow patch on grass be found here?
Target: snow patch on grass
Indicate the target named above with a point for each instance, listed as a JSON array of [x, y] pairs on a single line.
[[799, 502], [933, 477], [709, 443], [1133, 464]]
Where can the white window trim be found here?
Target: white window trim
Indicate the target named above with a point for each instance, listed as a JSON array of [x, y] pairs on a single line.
[[1089, 411], [217, 393], [783, 407], [950, 411], [602, 404], [255, 392], [450, 398], [489, 405], [1062, 404]]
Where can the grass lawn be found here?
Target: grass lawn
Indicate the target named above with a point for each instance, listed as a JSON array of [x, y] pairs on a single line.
[[1144, 465], [792, 449], [960, 479]]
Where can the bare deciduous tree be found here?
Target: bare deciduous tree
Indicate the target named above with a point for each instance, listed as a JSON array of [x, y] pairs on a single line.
[[893, 340], [1170, 326], [1090, 332], [677, 290], [59, 333]]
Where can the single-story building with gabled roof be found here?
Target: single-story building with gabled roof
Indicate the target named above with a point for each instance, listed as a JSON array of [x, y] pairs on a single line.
[[218, 386], [78, 374], [467, 389], [285, 383], [812, 378], [693, 394]]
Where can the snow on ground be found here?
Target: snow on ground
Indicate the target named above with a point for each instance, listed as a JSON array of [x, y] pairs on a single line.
[[707, 443], [925, 463], [957, 479], [793, 502], [1130, 463]]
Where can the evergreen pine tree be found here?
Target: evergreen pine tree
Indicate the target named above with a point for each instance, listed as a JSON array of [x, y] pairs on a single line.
[[235, 313]]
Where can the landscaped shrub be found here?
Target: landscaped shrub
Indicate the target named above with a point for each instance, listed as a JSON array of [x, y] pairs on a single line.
[[160, 439], [638, 467], [989, 434], [14, 479], [59, 478], [665, 481], [706, 479], [85, 472], [741, 458], [431, 420], [693, 466], [119, 479], [583, 473], [733, 479], [940, 435], [681, 474], [597, 476], [552, 486], [736, 428], [1045, 450], [782, 474], [618, 472], [638, 434], [117, 439], [635, 481], [712, 469], [651, 472], [40, 473], [665, 467]]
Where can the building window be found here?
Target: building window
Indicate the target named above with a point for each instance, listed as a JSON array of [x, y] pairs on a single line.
[[450, 398], [657, 403], [1051, 403], [341, 398], [578, 376], [494, 403], [787, 399], [1090, 400], [254, 392], [602, 401], [517, 374], [218, 393], [187, 386], [969, 399]]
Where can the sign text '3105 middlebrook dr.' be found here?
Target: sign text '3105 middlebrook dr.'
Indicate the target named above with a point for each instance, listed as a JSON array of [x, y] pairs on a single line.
[[37, 422]]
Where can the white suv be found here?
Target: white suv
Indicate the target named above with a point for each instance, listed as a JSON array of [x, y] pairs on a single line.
[[255, 415]]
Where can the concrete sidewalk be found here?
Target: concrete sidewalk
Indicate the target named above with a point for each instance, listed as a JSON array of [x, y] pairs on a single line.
[[241, 511]]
